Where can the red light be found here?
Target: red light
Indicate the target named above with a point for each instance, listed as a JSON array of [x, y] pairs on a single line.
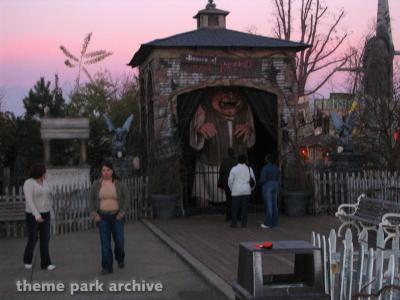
[[304, 153]]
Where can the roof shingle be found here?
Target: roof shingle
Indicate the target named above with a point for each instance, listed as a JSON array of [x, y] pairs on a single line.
[[214, 38]]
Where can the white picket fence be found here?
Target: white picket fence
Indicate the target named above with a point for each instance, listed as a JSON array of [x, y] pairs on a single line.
[[332, 189], [357, 271], [71, 207]]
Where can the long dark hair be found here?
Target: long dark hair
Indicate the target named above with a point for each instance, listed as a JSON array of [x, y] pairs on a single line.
[[37, 170], [272, 158], [242, 159], [110, 165]]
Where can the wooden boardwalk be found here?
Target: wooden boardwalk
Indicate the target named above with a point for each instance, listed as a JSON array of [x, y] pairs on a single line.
[[214, 243]]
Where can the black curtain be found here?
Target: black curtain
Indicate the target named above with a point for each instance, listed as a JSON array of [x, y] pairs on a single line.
[[264, 107]]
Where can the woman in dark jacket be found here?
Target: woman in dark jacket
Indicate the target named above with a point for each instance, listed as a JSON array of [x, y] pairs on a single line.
[[108, 203]]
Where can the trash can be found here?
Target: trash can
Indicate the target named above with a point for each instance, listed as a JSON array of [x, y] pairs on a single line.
[[305, 281]]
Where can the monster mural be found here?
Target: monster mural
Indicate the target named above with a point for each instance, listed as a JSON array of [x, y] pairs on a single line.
[[222, 120]]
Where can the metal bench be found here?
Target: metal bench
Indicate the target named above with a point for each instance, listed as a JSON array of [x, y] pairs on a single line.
[[11, 215], [370, 213]]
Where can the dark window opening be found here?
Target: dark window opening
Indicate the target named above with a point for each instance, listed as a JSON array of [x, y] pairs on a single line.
[[213, 21]]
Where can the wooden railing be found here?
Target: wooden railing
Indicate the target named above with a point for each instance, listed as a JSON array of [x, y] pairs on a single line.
[[71, 207], [332, 189]]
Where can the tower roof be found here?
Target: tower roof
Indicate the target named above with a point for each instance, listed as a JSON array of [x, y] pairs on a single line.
[[211, 16], [214, 38], [212, 33], [211, 9]]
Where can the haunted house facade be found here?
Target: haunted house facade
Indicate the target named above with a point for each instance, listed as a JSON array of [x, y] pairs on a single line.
[[220, 76]]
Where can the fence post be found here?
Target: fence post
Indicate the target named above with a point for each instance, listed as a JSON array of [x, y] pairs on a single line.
[[391, 274], [346, 266], [379, 270]]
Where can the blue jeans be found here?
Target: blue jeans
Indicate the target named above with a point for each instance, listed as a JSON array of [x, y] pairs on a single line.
[[110, 226], [270, 197]]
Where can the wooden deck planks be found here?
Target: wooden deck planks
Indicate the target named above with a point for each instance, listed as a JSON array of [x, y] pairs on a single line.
[[214, 243]]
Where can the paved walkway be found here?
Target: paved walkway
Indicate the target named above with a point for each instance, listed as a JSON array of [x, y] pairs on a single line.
[[77, 257]]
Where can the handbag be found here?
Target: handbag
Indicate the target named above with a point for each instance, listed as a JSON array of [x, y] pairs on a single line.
[[252, 181]]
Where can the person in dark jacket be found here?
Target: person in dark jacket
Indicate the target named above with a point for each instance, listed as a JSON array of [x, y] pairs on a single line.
[[270, 181], [108, 204], [226, 166]]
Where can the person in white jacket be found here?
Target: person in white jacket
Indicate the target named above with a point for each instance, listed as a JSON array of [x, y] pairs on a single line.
[[38, 205], [239, 183]]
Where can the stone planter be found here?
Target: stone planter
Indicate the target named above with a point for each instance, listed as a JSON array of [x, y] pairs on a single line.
[[296, 202], [164, 206]]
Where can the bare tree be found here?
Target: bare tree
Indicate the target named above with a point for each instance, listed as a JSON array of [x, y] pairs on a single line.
[[355, 65], [84, 59], [379, 120], [324, 40], [252, 29]]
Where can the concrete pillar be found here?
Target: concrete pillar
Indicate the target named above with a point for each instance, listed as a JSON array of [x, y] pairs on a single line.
[[83, 157], [47, 155]]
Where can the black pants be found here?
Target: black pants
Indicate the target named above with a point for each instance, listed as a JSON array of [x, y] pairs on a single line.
[[35, 229], [228, 196], [240, 203]]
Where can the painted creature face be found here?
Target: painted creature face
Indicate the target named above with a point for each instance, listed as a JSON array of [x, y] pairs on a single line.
[[227, 103]]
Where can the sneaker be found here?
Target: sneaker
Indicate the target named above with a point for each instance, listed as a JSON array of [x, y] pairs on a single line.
[[264, 226], [50, 267], [28, 266]]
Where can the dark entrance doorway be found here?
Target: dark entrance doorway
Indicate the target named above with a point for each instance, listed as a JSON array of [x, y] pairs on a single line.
[[264, 109]]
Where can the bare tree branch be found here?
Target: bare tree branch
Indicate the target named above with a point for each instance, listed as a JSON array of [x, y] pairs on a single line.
[[327, 64], [324, 40], [325, 80]]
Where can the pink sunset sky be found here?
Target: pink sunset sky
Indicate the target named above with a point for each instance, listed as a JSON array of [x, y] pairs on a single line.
[[31, 32]]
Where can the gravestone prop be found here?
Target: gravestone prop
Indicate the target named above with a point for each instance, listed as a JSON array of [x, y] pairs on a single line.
[[122, 162]]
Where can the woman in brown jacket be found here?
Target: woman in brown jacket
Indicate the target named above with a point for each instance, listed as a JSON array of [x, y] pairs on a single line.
[[108, 203]]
